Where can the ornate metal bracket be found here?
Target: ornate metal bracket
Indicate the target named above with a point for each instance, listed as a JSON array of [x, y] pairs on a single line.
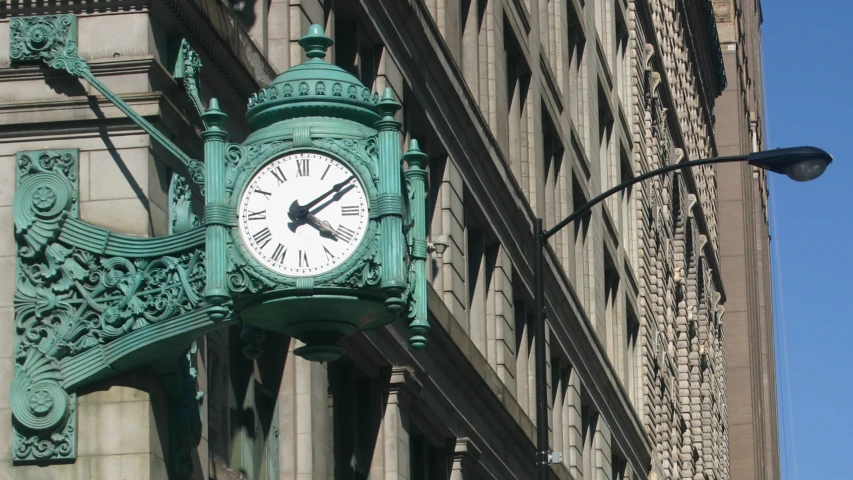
[[90, 303], [52, 39]]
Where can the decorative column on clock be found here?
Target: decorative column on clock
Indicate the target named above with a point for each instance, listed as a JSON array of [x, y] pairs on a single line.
[[389, 203], [416, 177], [217, 215]]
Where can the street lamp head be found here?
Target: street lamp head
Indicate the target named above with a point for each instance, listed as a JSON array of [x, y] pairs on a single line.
[[798, 163]]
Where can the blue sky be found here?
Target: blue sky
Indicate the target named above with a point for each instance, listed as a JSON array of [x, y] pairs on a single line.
[[807, 68]]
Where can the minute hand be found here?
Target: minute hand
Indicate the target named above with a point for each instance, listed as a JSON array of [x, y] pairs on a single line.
[[303, 210]]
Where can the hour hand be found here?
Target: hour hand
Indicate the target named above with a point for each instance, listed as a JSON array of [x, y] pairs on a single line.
[[322, 225]]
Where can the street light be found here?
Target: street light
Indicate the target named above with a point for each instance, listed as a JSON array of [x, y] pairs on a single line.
[[798, 163]]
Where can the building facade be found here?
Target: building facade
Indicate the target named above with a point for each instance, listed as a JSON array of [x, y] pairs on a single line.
[[526, 109], [745, 248]]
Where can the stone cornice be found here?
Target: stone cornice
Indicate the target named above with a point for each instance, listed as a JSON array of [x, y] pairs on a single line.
[[409, 33]]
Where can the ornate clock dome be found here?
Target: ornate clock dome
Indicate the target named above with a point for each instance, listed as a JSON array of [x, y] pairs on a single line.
[[313, 88]]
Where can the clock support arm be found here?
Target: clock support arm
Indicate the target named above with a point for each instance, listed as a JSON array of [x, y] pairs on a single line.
[[416, 177], [52, 39]]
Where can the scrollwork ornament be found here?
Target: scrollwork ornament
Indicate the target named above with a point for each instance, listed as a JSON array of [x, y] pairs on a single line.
[[51, 38]]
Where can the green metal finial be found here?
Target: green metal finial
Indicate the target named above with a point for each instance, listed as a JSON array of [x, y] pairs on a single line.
[[415, 157], [387, 105], [315, 42], [214, 117]]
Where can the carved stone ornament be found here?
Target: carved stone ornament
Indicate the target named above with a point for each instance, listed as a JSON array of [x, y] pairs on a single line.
[[655, 80], [722, 10], [648, 53]]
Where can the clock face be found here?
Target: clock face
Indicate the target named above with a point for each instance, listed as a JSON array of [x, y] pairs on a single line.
[[303, 214]]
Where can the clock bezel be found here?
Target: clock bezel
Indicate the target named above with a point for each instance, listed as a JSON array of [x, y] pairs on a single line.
[[339, 275]]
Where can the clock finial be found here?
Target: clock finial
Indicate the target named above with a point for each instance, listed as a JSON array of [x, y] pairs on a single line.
[[315, 42]]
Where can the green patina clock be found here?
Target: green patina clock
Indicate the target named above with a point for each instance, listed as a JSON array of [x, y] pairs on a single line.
[[309, 227]]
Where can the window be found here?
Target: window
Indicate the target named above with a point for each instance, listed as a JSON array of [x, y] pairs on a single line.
[[577, 76], [426, 461], [632, 359], [627, 222], [519, 109], [606, 150], [473, 51], [582, 250], [356, 417], [622, 74], [552, 160], [355, 50], [589, 427]]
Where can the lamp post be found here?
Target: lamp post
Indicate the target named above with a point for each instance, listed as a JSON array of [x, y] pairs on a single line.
[[799, 163]]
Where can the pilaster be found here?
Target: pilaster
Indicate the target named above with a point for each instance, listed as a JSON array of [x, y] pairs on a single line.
[[391, 454], [466, 454], [305, 427]]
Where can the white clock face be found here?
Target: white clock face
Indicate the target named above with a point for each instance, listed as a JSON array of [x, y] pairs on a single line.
[[303, 214]]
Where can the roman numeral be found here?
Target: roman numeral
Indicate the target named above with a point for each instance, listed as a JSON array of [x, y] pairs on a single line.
[[302, 167], [266, 194], [329, 255], [345, 233], [263, 237], [303, 259], [323, 176], [279, 175], [279, 253], [262, 215], [349, 210]]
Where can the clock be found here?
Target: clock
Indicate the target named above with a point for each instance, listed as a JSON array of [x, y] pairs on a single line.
[[303, 214]]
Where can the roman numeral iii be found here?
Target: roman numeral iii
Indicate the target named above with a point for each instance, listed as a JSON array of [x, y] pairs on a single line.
[[349, 210]]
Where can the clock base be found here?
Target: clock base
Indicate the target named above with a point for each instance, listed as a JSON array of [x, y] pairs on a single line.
[[320, 321]]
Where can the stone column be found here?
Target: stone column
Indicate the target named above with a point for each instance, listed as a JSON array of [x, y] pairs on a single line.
[[391, 453], [466, 455], [305, 428]]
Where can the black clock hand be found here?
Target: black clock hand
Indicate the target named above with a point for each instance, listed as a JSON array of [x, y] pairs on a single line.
[[322, 225], [302, 210], [334, 199]]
